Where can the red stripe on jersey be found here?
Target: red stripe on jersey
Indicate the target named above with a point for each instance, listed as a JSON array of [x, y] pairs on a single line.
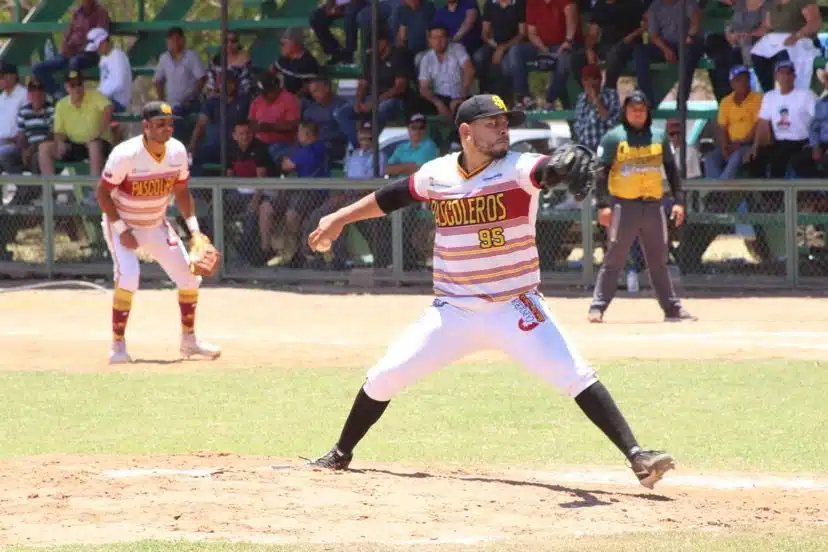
[[154, 187], [485, 190], [470, 230], [412, 189], [532, 175], [488, 209]]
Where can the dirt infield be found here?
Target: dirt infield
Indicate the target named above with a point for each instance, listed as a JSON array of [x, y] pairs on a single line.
[[91, 499], [61, 500], [69, 330]]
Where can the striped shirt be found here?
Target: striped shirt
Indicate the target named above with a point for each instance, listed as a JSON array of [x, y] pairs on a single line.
[[484, 245], [141, 184], [36, 125], [446, 76]]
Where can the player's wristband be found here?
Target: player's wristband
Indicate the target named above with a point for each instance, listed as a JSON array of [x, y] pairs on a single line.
[[120, 226], [192, 224]]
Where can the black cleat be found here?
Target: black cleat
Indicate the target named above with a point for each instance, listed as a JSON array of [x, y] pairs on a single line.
[[679, 314], [649, 466], [334, 460]]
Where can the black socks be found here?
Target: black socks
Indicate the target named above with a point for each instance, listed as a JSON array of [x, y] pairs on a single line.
[[598, 405], [595, 401], [364, 413]]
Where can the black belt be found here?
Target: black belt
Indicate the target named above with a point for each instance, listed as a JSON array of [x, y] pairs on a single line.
[[641, 198]]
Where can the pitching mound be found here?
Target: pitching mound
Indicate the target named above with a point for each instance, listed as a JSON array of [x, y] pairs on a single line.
[[96, 500]]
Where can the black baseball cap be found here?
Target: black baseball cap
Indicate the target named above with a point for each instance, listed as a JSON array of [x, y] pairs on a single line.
[[35, 84], [8, 69], [74, 76], [268, 82], [157, 110], [486, 105]]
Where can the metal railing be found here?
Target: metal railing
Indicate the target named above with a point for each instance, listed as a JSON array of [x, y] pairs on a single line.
[[747, 233]]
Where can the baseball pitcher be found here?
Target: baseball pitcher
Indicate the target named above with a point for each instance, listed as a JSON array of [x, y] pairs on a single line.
[[134, 193], [486, 275]]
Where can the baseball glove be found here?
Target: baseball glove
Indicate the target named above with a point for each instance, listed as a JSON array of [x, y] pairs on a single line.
[[577, 167], [204, 257]]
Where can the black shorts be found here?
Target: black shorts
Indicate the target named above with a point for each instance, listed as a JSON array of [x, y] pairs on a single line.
[[80, 152]]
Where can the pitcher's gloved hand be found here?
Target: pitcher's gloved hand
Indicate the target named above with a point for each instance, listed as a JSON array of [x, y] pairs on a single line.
[[574, 165], [204, 257]]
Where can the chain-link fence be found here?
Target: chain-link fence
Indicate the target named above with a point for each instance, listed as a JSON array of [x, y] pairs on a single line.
[[811, 246], [736, 232], [731, 233]]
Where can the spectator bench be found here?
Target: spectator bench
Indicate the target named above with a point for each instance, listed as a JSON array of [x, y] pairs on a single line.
[[138, 27]]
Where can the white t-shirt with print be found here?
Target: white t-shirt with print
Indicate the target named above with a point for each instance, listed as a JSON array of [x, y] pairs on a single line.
[[790, 114]]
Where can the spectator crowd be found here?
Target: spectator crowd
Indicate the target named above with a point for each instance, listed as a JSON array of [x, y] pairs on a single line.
[[287, 118]]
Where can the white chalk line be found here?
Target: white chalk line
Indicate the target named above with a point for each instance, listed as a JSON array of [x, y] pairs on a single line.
[[277, 540], [672, 479], [810, 340], [589, 477]]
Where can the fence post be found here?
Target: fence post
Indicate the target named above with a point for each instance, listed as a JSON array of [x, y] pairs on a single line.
[[588, 268], [218, 225], [791, 251], [49, 227], [397, 246]]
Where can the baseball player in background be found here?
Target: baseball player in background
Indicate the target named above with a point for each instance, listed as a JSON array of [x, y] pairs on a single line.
[[134, 193], [486, 275], [629, 194]]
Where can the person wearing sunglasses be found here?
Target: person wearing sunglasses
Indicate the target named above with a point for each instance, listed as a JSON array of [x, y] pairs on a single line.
[[238, 59], [82, 128]]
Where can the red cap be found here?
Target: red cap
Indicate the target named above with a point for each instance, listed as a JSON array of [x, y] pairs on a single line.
[[590, 71]]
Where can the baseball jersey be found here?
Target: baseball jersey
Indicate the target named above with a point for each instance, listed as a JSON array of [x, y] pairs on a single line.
[[484, 244], [141, 183]]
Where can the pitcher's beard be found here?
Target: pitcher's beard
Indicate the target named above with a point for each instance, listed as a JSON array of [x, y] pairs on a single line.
[[493, 151]]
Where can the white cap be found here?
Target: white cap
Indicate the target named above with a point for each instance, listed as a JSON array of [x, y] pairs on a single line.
[[94, 38]]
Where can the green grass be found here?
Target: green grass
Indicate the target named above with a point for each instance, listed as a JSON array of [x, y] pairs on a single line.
[[731, 416], [660, 542]]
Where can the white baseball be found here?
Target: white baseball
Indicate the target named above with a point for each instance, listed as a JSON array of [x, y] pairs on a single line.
[[323, 245]]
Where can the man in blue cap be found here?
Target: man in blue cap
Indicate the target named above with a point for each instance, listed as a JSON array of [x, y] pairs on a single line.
[[738, 114]]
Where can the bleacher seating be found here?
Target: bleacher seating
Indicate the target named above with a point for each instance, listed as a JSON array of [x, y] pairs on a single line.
[[29, 37]]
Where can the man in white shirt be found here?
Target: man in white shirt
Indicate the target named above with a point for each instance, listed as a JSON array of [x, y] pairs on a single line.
[[12, 98], [116, 72], [446, 73], [784, 123]]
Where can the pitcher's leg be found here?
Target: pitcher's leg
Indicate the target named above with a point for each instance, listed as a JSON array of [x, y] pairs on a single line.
[[620, 235], [528, 332], [440, 336]]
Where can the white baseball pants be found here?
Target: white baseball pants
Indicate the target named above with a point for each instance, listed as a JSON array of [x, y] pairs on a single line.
[[523, 328], [162, 243]]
